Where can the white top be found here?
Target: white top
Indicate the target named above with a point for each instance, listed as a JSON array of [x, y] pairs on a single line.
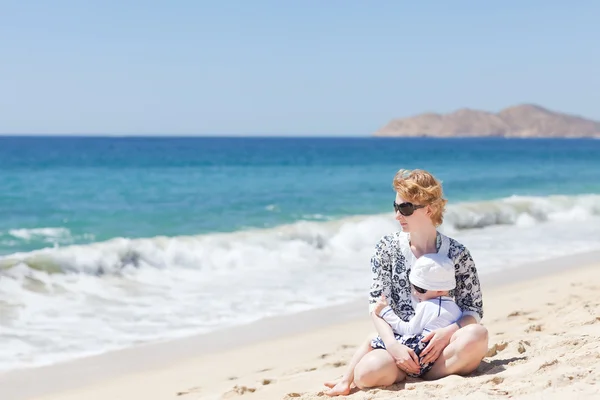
[[430, 315]]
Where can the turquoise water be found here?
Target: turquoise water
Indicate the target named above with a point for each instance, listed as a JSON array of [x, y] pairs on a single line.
[[106, 243], [93, 189]]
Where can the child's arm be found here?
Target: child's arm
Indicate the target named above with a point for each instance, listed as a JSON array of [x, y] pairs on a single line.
[[413, 327], [383, 328]]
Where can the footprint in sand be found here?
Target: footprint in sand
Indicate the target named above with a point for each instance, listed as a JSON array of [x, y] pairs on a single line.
[[547, 364], [293, 395], [534, 328], [435, 386], [238, 391], [337, 364], [496, 392], [579, 341], [521, 346], [518, 313], [496, 348], [496, 380]]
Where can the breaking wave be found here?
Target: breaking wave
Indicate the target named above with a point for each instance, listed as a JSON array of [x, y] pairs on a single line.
[[67, 301]]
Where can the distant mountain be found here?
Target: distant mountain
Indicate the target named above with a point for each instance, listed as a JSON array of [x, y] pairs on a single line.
[[526, 120]]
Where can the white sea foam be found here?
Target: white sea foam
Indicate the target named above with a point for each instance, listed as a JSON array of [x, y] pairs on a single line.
[[54, 235], [46, 233], [67, 302]]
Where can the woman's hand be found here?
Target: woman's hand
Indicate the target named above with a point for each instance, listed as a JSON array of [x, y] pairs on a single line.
[[438, 340], [405, 357]]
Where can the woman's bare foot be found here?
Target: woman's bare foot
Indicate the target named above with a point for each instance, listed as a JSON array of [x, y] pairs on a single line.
[[338, 388]]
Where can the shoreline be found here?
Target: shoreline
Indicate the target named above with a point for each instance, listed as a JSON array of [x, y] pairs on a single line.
[[156, 358]]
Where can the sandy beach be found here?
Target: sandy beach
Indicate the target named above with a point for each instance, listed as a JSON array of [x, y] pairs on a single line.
[[544, 344]]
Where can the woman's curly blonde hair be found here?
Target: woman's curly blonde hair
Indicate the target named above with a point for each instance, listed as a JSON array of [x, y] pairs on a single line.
[[421, 188]]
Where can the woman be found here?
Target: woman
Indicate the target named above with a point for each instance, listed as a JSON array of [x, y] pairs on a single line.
[[456, 349]]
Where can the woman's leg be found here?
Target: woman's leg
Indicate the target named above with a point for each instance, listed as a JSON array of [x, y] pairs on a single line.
[[342, 386], [377, 368], [463, 354]]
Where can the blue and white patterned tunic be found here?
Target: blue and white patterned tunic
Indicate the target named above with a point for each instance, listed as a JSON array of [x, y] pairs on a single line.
[[391, 264]]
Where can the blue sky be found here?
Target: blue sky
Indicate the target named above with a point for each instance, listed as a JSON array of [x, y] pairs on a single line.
[[286, 67]]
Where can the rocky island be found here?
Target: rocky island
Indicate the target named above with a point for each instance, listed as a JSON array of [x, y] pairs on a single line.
[[526, 120]]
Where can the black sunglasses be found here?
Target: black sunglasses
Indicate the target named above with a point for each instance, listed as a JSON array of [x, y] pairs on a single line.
[[419, 290], [406, 209]]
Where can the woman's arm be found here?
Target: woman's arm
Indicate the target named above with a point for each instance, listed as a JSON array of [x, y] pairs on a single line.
[[468, 291], [381, 272]]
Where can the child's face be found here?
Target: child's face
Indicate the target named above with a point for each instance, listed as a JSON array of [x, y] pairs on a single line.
[[418, 295], [429, 294]]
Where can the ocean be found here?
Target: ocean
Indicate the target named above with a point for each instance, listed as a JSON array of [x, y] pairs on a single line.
[[109, 242]]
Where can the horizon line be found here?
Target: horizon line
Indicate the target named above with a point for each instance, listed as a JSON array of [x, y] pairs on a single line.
[[167, 135], [273, 136]]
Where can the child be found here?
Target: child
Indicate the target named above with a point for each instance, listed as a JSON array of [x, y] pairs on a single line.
[[432, 277]]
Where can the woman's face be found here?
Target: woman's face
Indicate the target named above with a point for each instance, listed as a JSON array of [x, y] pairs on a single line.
[[417, 221]]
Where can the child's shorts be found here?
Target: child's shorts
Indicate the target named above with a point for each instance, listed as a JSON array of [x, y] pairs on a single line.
[[413, 342]]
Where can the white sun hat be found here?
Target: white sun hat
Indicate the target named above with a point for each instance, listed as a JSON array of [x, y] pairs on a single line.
[[433, 272]]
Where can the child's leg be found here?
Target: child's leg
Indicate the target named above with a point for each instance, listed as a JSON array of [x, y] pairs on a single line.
[[342, 386]]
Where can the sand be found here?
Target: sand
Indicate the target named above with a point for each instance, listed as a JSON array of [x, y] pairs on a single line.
[[544, 344]]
